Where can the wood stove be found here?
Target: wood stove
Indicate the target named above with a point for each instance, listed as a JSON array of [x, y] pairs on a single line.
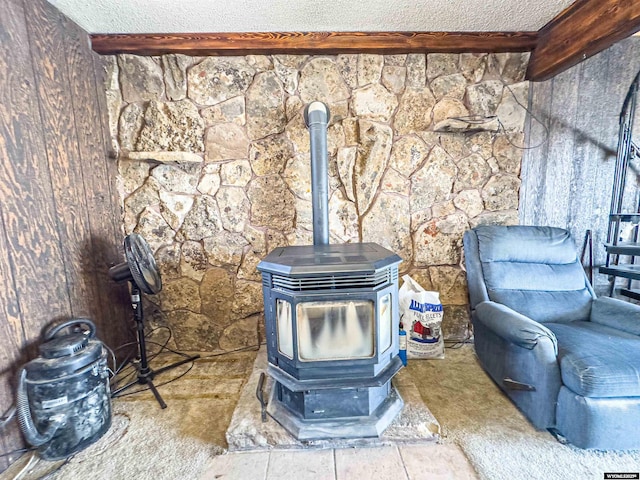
[[331, 315]]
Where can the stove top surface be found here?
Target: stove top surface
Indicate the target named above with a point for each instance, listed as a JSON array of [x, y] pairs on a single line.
[[328, 259]]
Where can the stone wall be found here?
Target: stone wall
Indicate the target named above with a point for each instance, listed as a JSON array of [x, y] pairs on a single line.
[[214, 166]]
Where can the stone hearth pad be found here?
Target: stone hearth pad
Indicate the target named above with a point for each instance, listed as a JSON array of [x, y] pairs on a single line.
[[415, 424]]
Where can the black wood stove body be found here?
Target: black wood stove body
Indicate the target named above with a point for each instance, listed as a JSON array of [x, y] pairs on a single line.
[[331, 315]]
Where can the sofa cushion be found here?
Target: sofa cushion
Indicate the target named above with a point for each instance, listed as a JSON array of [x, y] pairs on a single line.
[[596, 360], [534, 271], [547, 277], [519, 243], [543, 306]]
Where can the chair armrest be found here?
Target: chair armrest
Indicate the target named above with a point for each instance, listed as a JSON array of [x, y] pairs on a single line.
[[617, 314], [513, 326]]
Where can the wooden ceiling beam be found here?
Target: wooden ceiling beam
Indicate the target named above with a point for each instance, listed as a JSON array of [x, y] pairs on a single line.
[[267, 43], [585, 28]]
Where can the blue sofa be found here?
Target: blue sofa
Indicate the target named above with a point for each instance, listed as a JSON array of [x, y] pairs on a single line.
[[568, 360]]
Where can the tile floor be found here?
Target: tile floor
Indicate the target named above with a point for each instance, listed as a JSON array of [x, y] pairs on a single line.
[[407, 462]]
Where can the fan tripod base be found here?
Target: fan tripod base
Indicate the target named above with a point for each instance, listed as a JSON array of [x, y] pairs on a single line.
[[146, 375]]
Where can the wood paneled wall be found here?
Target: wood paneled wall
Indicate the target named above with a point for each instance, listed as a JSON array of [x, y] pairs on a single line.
[[60, 222], [568, 179]]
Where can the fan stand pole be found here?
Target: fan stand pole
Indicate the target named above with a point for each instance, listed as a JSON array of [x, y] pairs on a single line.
[[145, 373]]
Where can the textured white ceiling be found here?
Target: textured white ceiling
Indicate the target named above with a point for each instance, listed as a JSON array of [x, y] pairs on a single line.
[[184, 16]]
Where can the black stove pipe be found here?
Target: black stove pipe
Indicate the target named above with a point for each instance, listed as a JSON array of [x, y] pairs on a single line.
[[316, 117]]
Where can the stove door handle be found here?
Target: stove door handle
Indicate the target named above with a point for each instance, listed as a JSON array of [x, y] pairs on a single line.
[[260, 397]]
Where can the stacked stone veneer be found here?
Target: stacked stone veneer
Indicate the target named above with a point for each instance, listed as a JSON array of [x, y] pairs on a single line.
[[214, 169]]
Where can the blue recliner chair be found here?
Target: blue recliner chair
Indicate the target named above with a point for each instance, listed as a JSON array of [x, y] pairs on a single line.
[[568, 360]]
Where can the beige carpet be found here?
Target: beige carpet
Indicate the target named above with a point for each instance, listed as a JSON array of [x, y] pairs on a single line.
[[495, 436], [146, 442]]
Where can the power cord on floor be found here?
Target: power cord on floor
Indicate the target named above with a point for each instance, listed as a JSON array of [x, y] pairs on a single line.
[[159, 384], [113, 360], [127, 363], [4, 422], [51, 474], [165, 349], [147, 335], [33, 460], [18, 450], [255, 347], [7, 417], [456, 344], [252, 347]]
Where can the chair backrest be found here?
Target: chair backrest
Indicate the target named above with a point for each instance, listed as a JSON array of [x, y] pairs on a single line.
[[533, 270]]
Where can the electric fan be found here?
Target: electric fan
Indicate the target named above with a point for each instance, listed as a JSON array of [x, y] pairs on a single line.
[[142, 273]]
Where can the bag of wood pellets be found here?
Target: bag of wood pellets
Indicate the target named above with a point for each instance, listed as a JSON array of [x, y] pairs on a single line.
[[421, 315]]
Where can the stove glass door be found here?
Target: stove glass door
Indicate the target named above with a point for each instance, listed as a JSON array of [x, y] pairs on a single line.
[[335, 330], [385, 318], [284, 327]]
